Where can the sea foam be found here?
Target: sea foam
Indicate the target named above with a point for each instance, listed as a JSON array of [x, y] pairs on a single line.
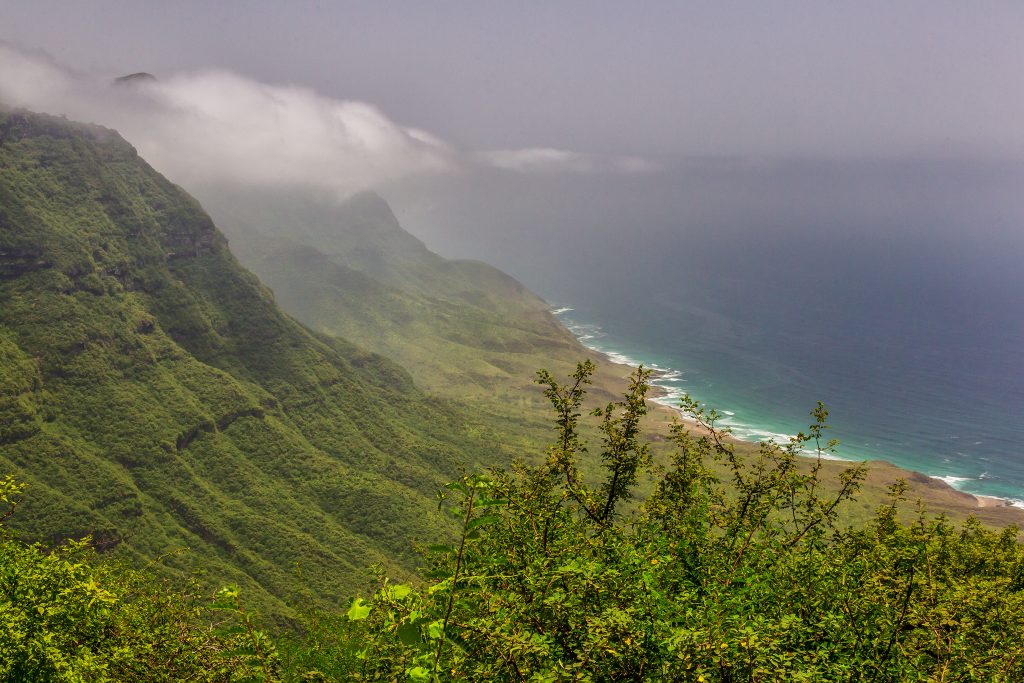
[[667, 379]]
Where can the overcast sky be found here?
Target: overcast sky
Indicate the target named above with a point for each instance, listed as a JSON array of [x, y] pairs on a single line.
[[649, 79]]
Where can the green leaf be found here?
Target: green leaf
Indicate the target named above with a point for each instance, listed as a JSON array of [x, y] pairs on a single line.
[[399, 591], [409, 634], [435, 630], [456, 639], [418, 673], [358, 611], [457, 486]]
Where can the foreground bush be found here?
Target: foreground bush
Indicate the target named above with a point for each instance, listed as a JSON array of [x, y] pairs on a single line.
[[746, 579], [66, 617]]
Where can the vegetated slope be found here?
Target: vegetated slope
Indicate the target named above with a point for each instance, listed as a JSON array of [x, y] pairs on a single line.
[[153, 395], [349, 269]]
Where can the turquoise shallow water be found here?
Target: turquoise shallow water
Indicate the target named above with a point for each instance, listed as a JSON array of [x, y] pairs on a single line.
[[917, 367]]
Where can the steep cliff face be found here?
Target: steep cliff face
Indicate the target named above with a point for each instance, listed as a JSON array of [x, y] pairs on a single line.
[[153, 395]]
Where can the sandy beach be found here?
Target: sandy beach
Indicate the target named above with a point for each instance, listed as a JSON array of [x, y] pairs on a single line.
[[990, 502]]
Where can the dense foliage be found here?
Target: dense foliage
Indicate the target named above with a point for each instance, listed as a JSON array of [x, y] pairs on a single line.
[[66, 617], [749, 579]]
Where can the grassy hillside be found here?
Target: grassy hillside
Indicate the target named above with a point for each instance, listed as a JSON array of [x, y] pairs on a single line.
[[152, 394]]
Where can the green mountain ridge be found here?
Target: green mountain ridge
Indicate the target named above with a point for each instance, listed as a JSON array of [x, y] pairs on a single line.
[[462, 328], [152, 394]]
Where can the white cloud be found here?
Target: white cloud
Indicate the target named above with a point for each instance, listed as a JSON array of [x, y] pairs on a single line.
[[216, 127], [28, 78], [255, 133], [552, 160]]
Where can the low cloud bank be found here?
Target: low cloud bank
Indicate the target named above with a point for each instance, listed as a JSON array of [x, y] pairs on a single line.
[[551, 160], [217, 127]]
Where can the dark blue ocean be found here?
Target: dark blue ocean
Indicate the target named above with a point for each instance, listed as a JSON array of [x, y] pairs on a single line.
[[917, 349]]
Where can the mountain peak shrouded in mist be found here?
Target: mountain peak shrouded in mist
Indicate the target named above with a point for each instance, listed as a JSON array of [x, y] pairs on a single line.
[[370, 215], [371, 204], [135, 78]]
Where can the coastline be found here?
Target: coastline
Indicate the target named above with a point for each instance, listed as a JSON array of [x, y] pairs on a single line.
[[990, 501], [659, 399]]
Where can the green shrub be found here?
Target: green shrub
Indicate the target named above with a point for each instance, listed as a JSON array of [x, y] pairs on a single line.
[[746, 579], [65, 616]]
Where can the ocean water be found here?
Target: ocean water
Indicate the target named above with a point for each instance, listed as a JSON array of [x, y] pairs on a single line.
[[892, 290], [917, 352]]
